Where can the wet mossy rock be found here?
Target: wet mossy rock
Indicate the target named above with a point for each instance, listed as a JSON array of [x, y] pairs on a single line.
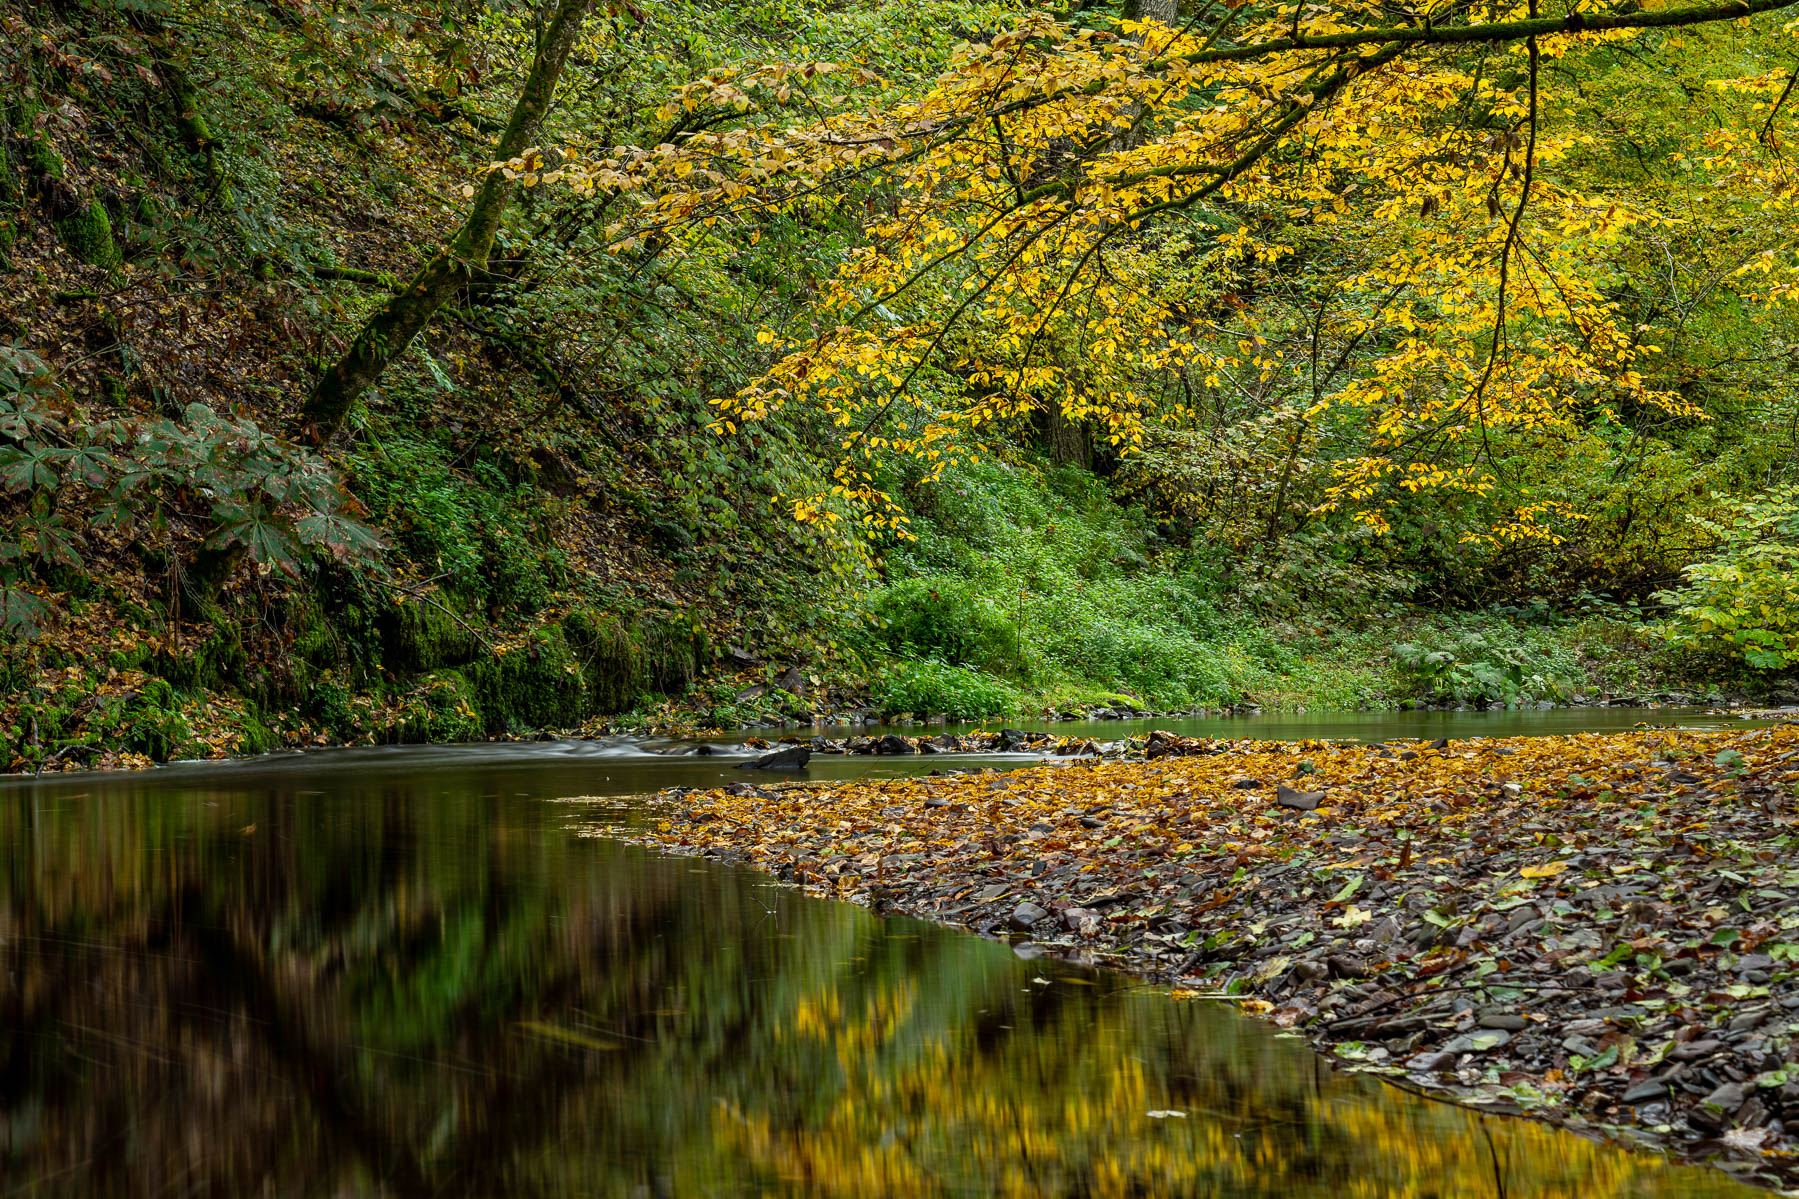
[[427, 636], [536, 685], [444, 708], [676, 650], [611, 657], [623, 659]]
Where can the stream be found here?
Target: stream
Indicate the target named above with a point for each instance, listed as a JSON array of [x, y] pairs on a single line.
[[400, 972]]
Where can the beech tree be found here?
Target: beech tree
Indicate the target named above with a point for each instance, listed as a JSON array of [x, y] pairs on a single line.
[[1008, 269]]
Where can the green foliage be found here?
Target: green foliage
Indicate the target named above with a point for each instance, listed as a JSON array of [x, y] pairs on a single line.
[[1743, 597], [441, 709], [1034, 574], [929, 687], [470, 527], [950, 619], [74, 477], [1473, 668]]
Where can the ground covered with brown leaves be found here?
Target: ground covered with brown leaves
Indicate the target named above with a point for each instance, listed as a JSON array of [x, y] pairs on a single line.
[[1602, 930]]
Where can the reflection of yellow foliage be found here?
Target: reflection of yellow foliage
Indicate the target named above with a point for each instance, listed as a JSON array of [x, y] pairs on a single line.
[[1066, 1110]]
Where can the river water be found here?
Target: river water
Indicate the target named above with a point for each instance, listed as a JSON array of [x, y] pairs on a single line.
[[400, 972]]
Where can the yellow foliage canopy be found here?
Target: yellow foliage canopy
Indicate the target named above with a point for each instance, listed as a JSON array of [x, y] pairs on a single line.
[[1008, 264]]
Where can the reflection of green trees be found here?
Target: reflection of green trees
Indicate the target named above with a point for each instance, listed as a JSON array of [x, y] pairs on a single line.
[[418, 986]]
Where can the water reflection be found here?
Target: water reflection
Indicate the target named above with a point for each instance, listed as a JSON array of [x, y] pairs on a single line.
[[411, 981]]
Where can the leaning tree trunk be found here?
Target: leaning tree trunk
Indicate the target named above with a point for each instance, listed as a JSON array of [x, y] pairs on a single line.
[[393, 326]]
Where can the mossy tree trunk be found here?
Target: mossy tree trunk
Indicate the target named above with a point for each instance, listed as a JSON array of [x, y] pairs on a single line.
[[393, 326], [80, 221], [184, 98]]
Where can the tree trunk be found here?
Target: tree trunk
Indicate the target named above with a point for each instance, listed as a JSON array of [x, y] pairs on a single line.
[[393, 326], [1165, 11], [1168, 12], [1068, 441]]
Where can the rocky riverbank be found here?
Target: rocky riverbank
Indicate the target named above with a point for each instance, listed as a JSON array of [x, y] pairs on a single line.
[[1599, 930]]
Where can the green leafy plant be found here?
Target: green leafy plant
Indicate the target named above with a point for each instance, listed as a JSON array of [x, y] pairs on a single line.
[[70, 478], [1744, 597], [1473, 669], [927, 686]]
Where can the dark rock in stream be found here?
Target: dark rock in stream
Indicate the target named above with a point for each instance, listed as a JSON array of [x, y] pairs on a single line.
[[893, 743], [794, 757]]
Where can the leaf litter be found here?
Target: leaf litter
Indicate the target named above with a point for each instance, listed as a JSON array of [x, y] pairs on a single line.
[[1601, 930]]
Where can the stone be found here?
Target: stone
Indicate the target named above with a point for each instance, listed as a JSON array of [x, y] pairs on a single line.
[[1246, 784], [1080, 919], [1521, 917], [794, 757], [1303, 801], [1507, 1021], [1479, 1042], [1650, 1091], [1692, 1051], [1026, 915], [893, 743], [1716, 1109], [1431, 1063]]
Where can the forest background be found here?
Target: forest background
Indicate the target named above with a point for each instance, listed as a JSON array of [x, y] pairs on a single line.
[[1475, 390]]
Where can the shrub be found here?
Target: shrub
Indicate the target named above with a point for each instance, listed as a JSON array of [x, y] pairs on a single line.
[[1471, 668], [925, 686], [1744, 598]]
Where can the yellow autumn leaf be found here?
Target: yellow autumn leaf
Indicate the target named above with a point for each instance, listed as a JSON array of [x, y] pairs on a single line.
[[1546, 870]]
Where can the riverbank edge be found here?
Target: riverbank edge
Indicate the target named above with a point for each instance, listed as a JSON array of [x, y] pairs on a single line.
[[845, 735], [421, 674], [1693, 1038]]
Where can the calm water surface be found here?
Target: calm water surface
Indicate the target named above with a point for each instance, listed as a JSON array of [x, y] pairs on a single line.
[[399, 973]]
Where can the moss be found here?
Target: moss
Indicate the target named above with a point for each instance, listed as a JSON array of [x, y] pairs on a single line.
[[314, 640], [87, 234], [330, 702], [153, 724], [674, 649], [610, 654], [216, 661], [442, 709], [426, 636], [9, 204], [538, 685], [41, 160], [255, 736], [83, 226]]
